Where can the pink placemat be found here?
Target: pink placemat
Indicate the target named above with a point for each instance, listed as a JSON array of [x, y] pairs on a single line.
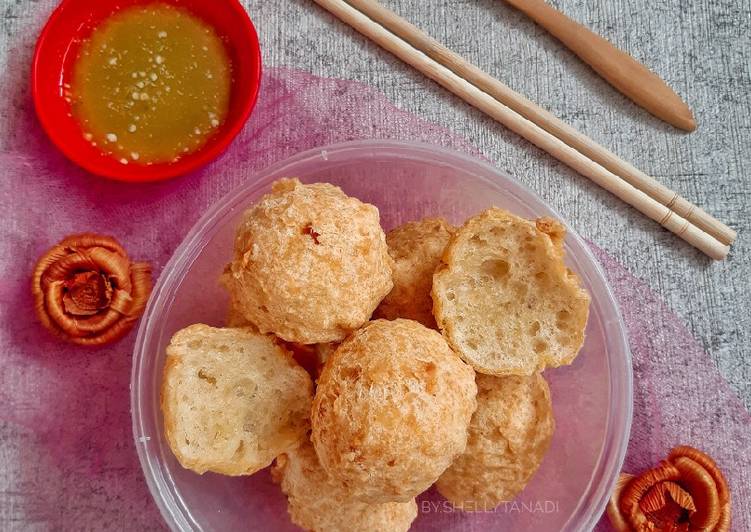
[[65, 423]]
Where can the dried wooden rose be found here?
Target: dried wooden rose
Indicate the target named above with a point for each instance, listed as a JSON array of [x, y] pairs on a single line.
[[87, 291], [685, 492]]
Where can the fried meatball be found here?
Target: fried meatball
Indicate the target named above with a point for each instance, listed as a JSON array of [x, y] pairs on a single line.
[[391, 411], [310, 263], [315, 502], [417, 248], [508, 438]]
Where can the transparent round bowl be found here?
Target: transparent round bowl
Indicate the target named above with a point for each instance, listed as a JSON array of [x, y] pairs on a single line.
[[592, 398]]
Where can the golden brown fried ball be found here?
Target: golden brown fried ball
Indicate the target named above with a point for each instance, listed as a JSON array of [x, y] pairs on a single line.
[[391, 411], [310, 263], [508, 438], [315, 502], [417, 248]]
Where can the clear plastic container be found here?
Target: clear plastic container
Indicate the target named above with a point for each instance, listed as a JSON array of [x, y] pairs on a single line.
[[592, 398]]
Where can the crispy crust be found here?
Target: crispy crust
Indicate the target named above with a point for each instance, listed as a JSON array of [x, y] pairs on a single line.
[[310, 263], [235, 317], [508, 437], [315, 502], [391, 411], [417, 248]]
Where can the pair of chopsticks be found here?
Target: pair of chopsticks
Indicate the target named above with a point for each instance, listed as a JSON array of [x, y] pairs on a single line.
[[524, 117]]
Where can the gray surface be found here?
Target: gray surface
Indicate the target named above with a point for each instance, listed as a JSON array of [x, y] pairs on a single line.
[[701, 47]]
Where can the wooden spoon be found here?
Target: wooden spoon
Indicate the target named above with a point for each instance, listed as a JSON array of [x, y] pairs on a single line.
[[617, 67]]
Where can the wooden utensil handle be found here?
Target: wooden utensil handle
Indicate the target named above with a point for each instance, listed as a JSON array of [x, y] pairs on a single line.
[[621, 70]]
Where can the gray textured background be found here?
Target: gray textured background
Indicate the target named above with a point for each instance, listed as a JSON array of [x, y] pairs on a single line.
[[701, 47]]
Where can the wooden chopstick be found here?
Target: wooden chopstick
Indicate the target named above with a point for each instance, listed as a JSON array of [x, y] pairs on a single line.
[[618, 68], [546, 120], [527, 129]]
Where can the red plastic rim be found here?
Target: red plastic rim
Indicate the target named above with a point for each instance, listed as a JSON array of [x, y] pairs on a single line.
[[57, 49]]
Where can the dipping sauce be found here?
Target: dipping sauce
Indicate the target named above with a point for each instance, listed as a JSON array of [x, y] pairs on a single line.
[[151, 84]]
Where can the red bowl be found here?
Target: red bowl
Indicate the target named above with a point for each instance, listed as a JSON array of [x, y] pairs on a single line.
[[56, 52]]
